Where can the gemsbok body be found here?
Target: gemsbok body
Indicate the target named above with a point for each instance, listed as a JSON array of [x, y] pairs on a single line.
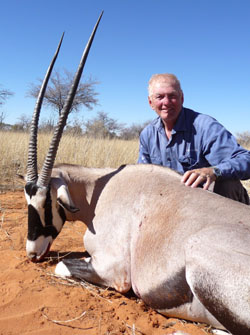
[[183, 251]]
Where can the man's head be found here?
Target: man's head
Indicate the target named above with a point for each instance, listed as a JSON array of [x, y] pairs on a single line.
[[165, 97]]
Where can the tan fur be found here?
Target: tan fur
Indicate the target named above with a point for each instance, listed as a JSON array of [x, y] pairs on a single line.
[[141, 223]]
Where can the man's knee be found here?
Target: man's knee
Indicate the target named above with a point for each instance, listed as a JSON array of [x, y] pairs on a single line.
[[232, 189]]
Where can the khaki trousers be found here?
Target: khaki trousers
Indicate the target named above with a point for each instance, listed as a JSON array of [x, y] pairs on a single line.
[[232, 189]]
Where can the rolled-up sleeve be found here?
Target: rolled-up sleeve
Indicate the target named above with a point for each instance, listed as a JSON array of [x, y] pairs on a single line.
[[222, 150]]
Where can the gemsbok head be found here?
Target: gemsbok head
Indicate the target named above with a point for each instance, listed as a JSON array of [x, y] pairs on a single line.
[[46, 217]]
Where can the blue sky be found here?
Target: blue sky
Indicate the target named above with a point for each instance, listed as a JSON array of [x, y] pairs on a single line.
[[204, 42]]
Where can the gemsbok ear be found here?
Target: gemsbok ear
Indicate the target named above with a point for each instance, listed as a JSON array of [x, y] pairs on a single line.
[[63, 197], [20, 176], [68, 205]]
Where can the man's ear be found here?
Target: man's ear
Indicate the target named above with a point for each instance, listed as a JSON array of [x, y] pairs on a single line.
[[182, 98], [150, 102]]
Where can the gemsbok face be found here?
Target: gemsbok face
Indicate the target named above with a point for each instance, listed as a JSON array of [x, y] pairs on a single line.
[[46, 206], [41, 230], [45, 220]]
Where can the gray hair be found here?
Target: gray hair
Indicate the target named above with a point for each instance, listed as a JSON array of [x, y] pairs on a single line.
[[163, 77]]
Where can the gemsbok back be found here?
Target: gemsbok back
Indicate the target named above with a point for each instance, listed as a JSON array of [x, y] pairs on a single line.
[[183, 251]]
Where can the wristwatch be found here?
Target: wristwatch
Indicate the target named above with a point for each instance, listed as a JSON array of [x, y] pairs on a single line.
[[217, 172]]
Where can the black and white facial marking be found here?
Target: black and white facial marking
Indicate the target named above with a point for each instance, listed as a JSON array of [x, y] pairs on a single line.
[[45, 220]]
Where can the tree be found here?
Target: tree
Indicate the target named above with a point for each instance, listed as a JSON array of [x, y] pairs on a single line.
[[23, 124], [4, 95], [244, 138], [102, 126], [75, 127], [47, 125], [2, 117], [133, 131], [58, 88]]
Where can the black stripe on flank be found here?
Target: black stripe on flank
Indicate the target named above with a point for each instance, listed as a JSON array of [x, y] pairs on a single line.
[[171, 294], [220, 311]]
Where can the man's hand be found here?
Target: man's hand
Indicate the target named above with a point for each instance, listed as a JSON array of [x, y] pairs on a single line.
[[195, 177]]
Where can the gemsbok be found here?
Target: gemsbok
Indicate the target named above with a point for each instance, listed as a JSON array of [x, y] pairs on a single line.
[[183, 251]]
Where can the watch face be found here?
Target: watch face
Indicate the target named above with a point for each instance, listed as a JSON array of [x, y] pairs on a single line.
[[217, 172]]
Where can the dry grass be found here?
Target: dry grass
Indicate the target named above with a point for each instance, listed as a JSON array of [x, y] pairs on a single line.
[[73, 149], [246, 183]]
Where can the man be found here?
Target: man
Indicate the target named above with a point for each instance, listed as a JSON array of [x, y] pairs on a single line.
[[194, 144]]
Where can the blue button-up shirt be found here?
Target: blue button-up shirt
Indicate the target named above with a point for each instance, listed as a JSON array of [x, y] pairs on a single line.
[[197, 141]]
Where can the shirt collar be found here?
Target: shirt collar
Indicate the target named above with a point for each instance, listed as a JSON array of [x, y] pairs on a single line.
[[180, 124]]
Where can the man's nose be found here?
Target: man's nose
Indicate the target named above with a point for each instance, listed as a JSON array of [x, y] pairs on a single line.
[[166, 100]]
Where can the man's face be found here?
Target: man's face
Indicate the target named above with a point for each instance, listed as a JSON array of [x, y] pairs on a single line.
[[166, 100]]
